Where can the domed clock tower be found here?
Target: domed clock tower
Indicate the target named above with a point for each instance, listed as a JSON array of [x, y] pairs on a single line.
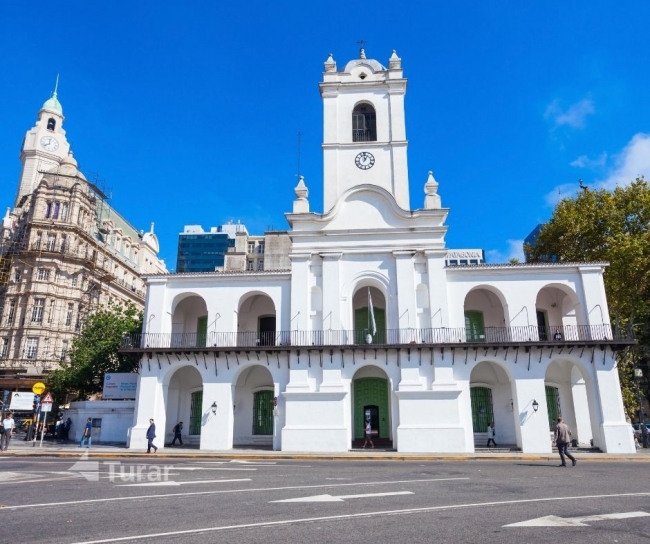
[[44, 146], [364, 138]]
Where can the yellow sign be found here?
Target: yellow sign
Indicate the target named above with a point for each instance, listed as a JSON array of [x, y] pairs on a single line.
[[38, 388]]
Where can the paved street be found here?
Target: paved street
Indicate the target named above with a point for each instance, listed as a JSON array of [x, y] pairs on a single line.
[[45, 499]]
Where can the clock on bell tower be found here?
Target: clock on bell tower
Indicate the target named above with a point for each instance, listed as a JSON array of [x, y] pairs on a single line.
[[44, 146], [364, 140]]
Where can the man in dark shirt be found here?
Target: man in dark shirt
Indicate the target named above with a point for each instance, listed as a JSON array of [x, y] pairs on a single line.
[[151, 434]]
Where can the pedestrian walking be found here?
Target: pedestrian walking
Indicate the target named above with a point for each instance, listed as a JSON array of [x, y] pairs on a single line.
[[368, 435], [491, 433], [6, 431], [563, 439], [66, 429], [87, 434], [151, 434], [177, 434]]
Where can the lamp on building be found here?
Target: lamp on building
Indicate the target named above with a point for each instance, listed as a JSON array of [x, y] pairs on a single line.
[[214, 408], [512, 405], [535, 405]]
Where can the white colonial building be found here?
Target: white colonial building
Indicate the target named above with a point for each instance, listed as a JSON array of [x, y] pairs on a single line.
[[376, 320]]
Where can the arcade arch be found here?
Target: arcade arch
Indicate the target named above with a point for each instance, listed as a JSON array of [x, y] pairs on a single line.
[[486, 316], [556, 309], [371, 401], [253, 393], [189, 321], [491, 397], [256, 321], [369, 315], [184, 402]]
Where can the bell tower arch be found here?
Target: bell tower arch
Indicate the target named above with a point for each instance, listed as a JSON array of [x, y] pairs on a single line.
[[364, 139]]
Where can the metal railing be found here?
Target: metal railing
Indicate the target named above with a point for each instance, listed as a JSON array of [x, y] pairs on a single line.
[[389, 337]]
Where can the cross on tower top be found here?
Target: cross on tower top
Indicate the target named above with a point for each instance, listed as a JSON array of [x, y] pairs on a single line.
[[362, 53]]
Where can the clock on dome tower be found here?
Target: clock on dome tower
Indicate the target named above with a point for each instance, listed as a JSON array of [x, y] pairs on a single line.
[[364, 139], [44, 147]]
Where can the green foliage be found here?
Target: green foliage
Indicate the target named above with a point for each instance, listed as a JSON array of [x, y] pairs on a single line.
[[612, 226], [94, 352]]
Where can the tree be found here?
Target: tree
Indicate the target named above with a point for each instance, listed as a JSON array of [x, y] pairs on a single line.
[[612, 226], [95, 351]]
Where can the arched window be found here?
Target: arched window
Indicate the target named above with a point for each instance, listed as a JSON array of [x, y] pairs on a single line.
[[364, 123], [51, 123]]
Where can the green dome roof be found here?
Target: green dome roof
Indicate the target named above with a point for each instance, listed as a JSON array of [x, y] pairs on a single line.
[[53, 104]]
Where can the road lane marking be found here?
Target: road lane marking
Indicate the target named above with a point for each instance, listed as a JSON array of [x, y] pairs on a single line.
[[171, 483], [174, 467], [352, 516], [556, 521], [342, 498], [221, 492]]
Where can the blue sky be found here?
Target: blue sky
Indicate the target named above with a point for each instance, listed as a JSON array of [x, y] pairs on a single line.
[[189, 111]]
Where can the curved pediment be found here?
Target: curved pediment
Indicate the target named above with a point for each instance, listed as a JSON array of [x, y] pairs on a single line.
[[367, 207]]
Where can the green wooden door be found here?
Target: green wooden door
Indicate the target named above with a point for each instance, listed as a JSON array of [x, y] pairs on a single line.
[[201, 331], [363, 326], [474, 326], [196, 408], [371, 392], [553, 404], [482, 413], [263, 413]]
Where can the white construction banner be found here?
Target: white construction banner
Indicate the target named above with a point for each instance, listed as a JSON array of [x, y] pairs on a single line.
[[22, 401], [120, 386]]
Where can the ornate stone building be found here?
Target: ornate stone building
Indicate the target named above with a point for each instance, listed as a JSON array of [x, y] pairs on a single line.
[[63, 251]]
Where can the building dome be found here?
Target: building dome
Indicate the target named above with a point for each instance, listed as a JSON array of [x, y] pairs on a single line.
[[151, 240], [53, 104]]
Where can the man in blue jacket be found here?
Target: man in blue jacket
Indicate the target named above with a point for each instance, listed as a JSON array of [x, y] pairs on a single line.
[[151, 434]]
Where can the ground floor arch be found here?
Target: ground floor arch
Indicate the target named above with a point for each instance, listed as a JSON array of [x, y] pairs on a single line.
[[253, 407], [371, 403], [184, 397], [491, 399]]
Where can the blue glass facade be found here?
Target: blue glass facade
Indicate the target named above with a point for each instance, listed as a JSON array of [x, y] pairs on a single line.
[[202, 252]]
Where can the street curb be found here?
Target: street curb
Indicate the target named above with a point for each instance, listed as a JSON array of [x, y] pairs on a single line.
[[321, 457]]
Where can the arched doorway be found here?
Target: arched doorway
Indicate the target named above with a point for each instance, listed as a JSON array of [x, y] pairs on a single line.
[[371, 403], [556, 313], [185, 403], [486, 317], [256, 321], [369, 312], [491, 398], [253, 405], [189, 321], [567, 396]]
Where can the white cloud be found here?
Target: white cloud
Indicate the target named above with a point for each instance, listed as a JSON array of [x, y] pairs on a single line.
[[585, 162], [631, 163], [574, 116], [515, 250]]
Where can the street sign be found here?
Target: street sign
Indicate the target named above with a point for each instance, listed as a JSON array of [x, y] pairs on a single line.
[[22, 402], [38, 388], [48, 399], [46, 407]]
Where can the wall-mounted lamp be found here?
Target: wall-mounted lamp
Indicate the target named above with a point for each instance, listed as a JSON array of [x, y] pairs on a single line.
[[512, 405], [535, 405], [214, 408]]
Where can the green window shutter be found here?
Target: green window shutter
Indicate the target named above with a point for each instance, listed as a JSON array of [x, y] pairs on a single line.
[[201, 331], [482, 413], [263, 413], [196, 406], [474, 326], [553, 404]]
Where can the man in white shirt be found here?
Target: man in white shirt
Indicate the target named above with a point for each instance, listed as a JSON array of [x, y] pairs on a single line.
[[8, 425]]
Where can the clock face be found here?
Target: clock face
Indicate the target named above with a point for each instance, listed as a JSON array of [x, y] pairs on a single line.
[[364, 160], [49, 143]]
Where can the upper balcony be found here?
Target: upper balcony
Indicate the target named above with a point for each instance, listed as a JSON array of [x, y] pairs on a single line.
[[488, 338]]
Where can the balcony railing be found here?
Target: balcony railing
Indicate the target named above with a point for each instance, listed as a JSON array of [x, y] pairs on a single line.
[[391, 337]]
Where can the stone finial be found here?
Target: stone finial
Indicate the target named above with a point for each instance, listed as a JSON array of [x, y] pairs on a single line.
[[362, 53], [432, 200], [330, 64], [394, 63], [301, 204]]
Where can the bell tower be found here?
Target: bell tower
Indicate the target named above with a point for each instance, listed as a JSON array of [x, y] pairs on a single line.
[[44, 146], [364, 139]]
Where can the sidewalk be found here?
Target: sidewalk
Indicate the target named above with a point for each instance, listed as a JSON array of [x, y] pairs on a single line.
[[51, 448]]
